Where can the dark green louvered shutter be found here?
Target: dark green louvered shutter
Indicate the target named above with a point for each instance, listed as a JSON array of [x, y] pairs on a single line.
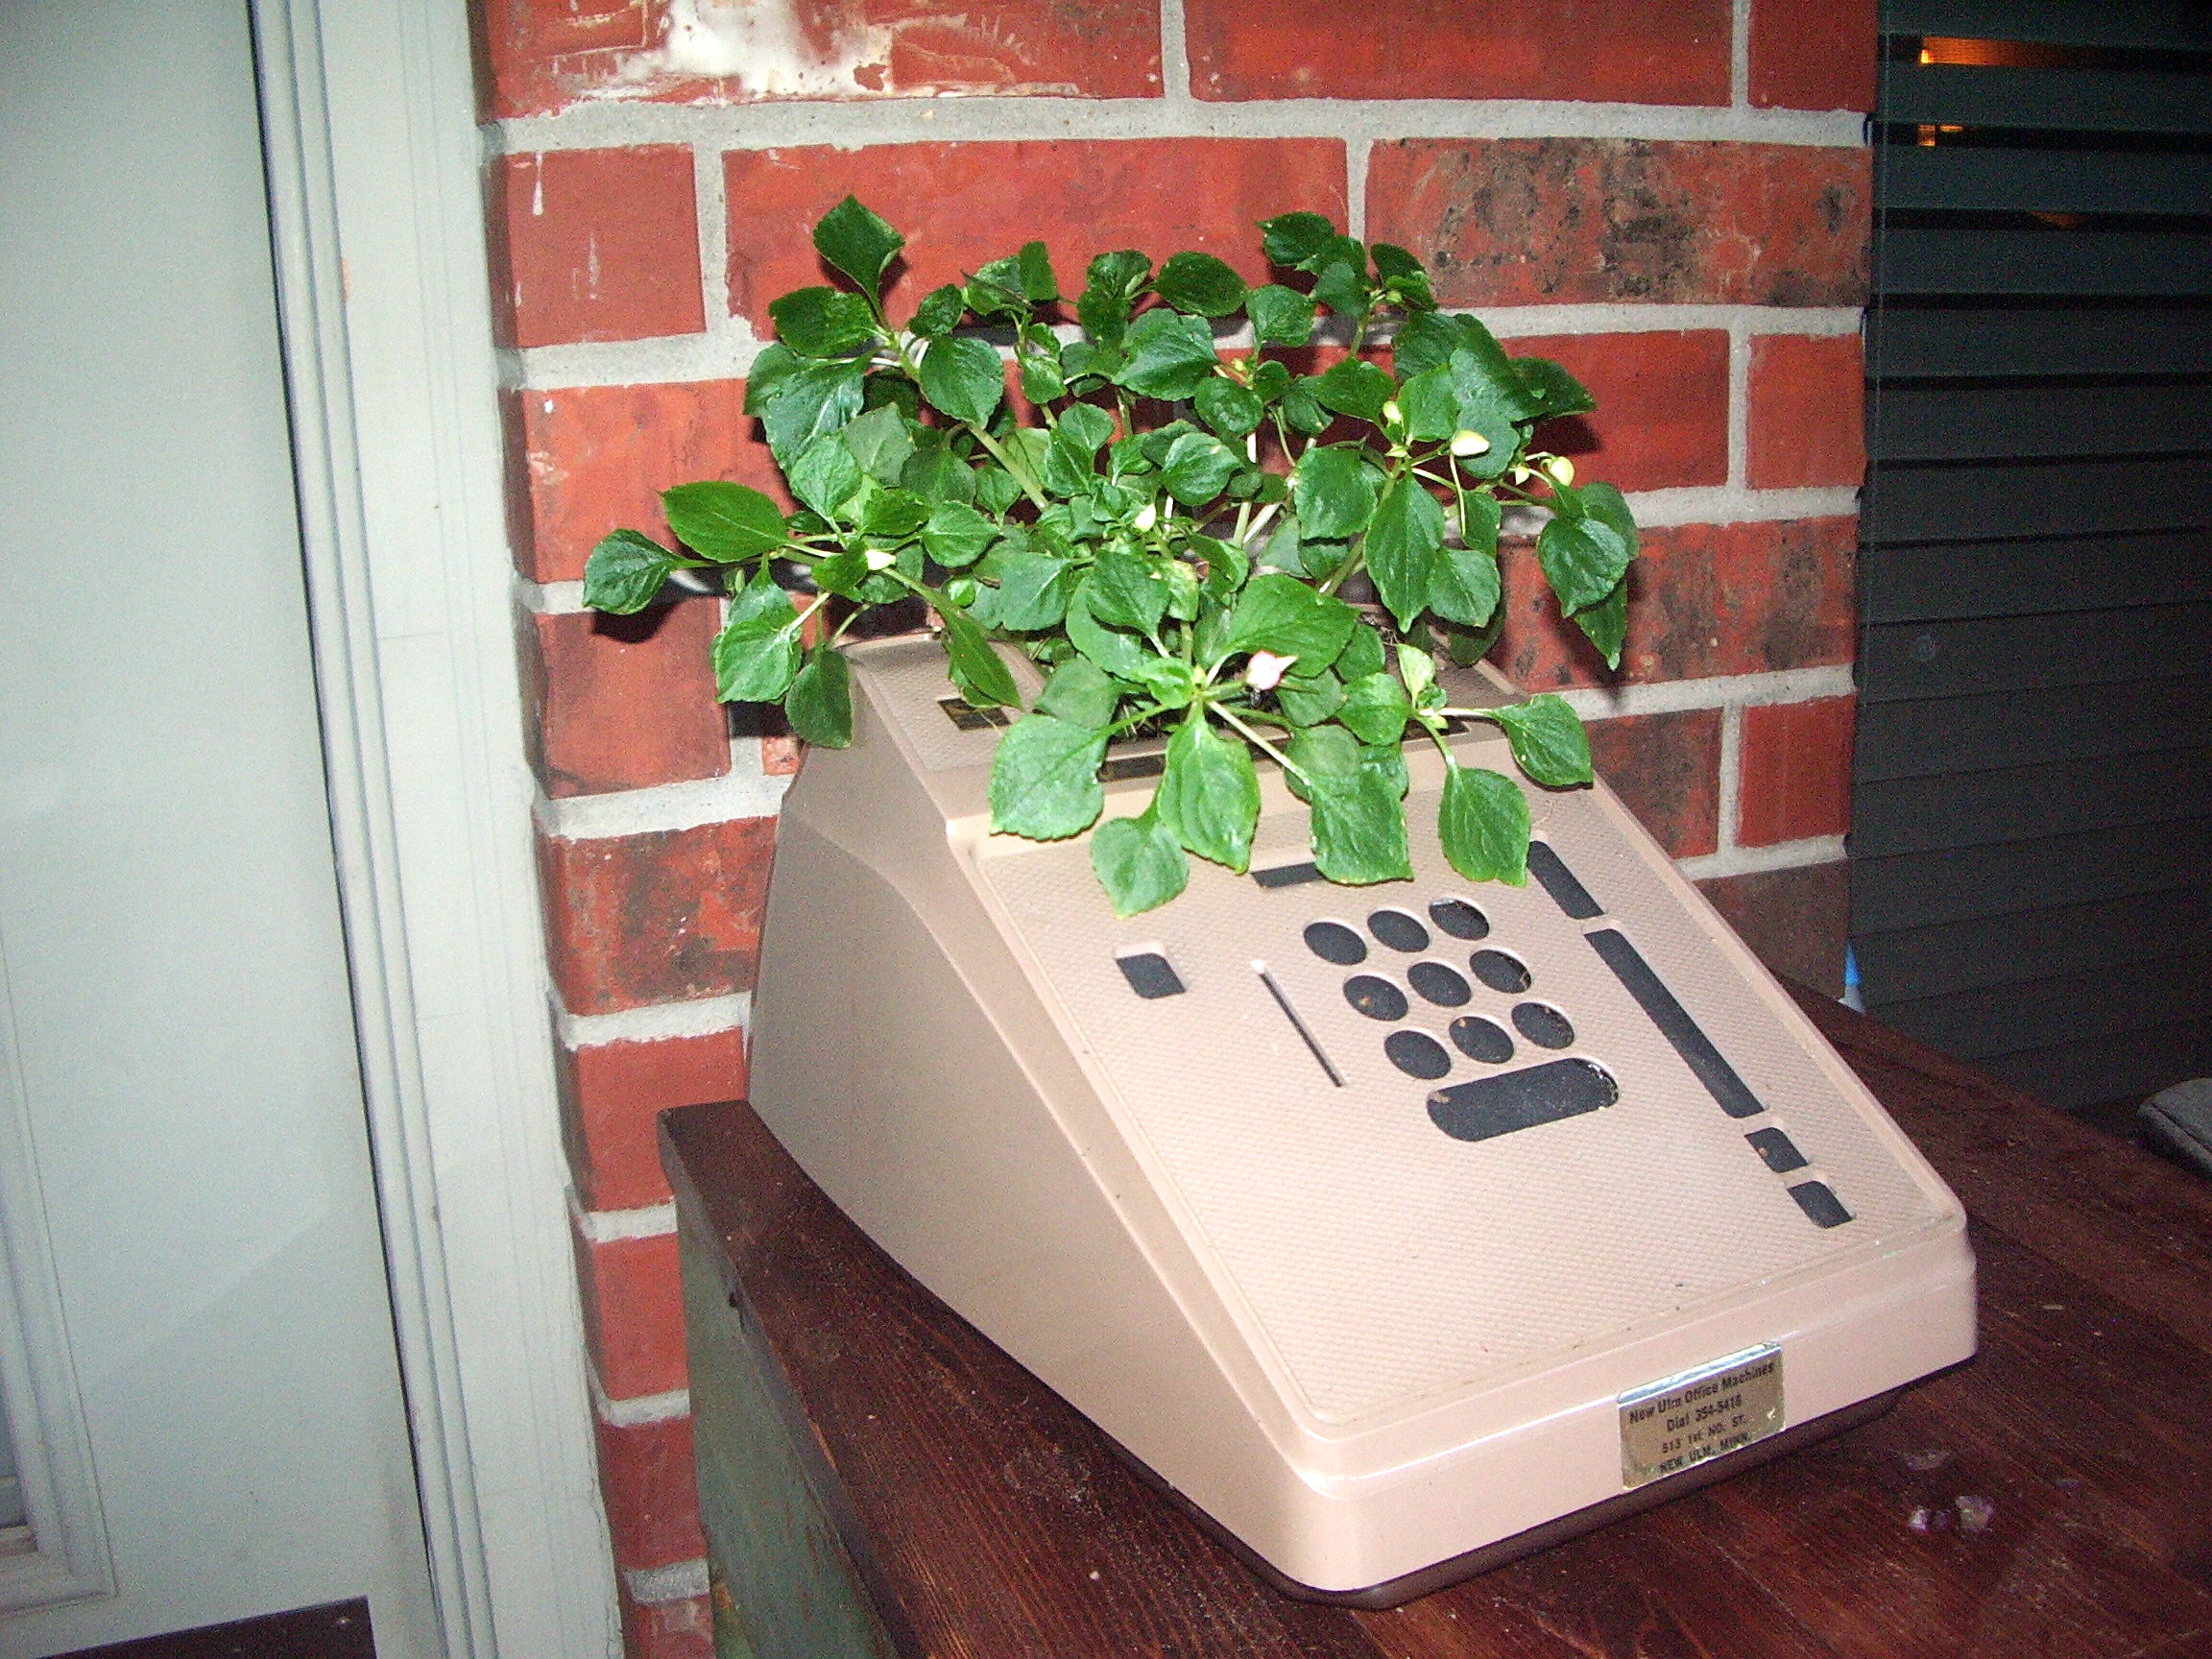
[[2032, 837]]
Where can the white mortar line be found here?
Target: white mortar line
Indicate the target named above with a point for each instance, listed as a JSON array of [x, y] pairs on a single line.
[[854, 124], [1756, 861], [664, 806], [655, 1021], [658, 1586], [1175, 60], [1725, 504], [1357, 152], [728, 349], [711, 186], [1731, 803], [1740, 55], [1738, 406], [549, 598], [638, 1411], [1716, 692], [608, 1226]]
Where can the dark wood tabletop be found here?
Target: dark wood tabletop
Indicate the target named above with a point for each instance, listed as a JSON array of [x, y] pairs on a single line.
[[2051, 1497]]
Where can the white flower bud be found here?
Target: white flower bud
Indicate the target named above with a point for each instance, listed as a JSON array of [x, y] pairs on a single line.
[[1266, 670], [1560, 471], [879, 560], [1469, 442], [1392, 415], [1147, 515]]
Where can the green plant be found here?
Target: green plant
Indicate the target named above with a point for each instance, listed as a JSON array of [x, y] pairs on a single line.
[[1135, 541]]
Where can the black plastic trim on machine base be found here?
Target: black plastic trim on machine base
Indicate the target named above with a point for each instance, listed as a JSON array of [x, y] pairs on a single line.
[[1443, 1574]]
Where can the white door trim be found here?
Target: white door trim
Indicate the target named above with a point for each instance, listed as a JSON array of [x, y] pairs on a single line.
[[379, 236]]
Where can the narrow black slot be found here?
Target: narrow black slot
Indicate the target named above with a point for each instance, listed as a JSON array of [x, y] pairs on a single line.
[[1509, 1100], [1821, 1205], [1552, 871], [969, 718], [1675, 1022], [1777, 1149], [1287, 875], [1283, 1001], [1118, 768], [1150, 975]]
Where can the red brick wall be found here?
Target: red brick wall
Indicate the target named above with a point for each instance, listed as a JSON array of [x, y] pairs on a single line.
[[1666, 194]]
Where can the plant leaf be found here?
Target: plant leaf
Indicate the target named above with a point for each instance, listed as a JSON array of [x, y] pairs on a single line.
[[1039, 286], [1280, 316], [1285, 615], [1362, 654], [1232, 410], [1335, 492], [1354, 387], [1197, 467], [809, 400], [857, 243], [820, 701], [1546, 739], [1033, 590], [824, 322], [1170, 355], [1401, 544], [939, 311], [824, 476], [756, 655], [1307, 700], [1200, 284], [726, 522], [880, 442], [1117, 653], [1583, 557], [1555, 391], [1081, 693], [1044, 779], [1211, 794], [1483, 825], [1359, 829], [1606, 624], [1376, 708], [1291, 239], [1139, 862], [626, 571], [1464, 585], [977, 669], [963, 377], [1125, 592]]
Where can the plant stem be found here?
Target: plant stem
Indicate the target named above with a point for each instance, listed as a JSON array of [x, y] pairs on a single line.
[[1261, 744], [1029, 486]]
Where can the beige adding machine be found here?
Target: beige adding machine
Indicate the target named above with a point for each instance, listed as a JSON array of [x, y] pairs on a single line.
[[1398, 1230]]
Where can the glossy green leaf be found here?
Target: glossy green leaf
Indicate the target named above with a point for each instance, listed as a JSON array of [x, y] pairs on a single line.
[[1555, 391], [1483, 825], [1605, 503], [1286, 617], [935, 472], [939, 311], [1280, 316], [1211, 794], [1125, 590], [1463, 585], [1303, 411], [1112, 649], [1081, 693], [764, 380], [1291, 238], [1319, 754], [1583, 557], [757, 654], [1546, 739], [1403, 276], [1429, 403], [982, 678], [1197, 467], [809, 400], [1307, 700], [1359, 830], [1361, 656], [1479, 358], [820, 701], [1402, 545], [1376, 708], [1424, 341], [891, 514], [881, 441], [964, 377], [1044, 779], [956, 534], [824, 476], [1334, 490], [1170, 355], [1033, 590], [859, 243], [626, 572], [1167, 681], [1341, 284], [1354, 387], [723, 521], [1039, 285], [1606, 623], [1140, 863], [822, 322], [1226, 567], [1232, 410], [1200, 284]]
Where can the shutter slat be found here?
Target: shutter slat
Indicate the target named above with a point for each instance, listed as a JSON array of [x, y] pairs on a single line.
[[1991, 730], [1909, 662], [1984, 501], [1955, 581], [1911, 343], [2127, 1066], [1991, 950], [1978, 179], [2005, 878], [2029, 802], [1974, 1024], [2111, 263], [1961, 424], [2167, 25], [2047, 100]]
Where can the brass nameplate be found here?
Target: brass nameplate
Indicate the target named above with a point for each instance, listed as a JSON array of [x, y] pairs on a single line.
[[1669, 1425]]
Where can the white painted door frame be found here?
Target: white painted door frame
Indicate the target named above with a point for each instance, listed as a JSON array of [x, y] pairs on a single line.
[[376, 199]]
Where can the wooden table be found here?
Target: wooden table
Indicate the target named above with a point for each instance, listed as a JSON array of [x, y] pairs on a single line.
[[880, 1480]]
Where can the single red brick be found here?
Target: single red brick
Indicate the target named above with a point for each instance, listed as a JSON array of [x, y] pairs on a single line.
[[960, 206], [612, 1094], [596, 459], [1665, 768], [651, 1491], [542, 56], [779, 755], [598, 245], [1814, 54], [1662, 416], [1627, 52], [1530, 220], [667, 1629], [1795, 920], [1794, 776], [626, 701], [633, 1313], [661, 917], [1703, 600], [1808, 418]]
